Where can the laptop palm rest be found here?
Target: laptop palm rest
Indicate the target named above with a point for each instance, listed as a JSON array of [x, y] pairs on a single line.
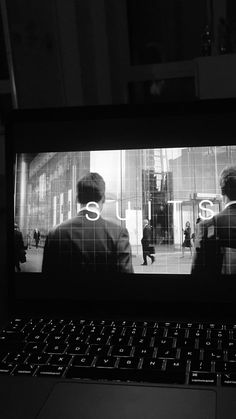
[[115, 401]]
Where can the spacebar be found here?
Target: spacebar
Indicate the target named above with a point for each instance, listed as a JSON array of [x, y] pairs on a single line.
[[177, 377]]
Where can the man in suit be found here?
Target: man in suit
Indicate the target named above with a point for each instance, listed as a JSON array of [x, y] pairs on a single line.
[[215, 250], [147, 242], [88, 243], [36, 237]]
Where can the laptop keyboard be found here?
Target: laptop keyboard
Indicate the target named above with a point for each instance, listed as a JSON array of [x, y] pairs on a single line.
[[140, 351]]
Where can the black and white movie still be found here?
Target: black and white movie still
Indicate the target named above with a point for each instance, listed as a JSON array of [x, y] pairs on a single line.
[[176, 192]]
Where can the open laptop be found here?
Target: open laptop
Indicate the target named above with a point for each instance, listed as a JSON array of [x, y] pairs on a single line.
[[158, 341]]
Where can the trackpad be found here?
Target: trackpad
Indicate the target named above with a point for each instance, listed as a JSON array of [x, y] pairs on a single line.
[[88, 401]]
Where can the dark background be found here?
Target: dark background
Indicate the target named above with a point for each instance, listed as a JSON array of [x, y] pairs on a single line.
[[93, 52]]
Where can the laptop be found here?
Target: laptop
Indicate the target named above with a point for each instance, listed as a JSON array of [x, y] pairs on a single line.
[[156, 341]]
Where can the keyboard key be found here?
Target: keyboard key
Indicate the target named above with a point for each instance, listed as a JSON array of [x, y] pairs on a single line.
[[38, 358], [111, 331], [225, 366], [83, 361], [124, 323], [97, 340], [50, 370], [150, 376], [12, 336], [34, 347], [231, 355], [193, 355], [219, 334], [55, 339], [106, 362], [99, 350], [201, 366], [175, 365], [76, 339], [142, 351], [50, 328], [77, 349], [6, 368], [129, 363], [177, 333], [25, 369], [70, 328], [152, 364], [216, 355], [197, 334], [190, 325], [213, 326], [155, 332], [122, 341], [228, 379], [59, 359], [188, 343], [209, 344], [6, 347], [199, 377], [102, 322], [164, 344], [121, 351], [230, 326], [36, 337], [93, 373], [143, 341], [56, 349], [166, 353], [15, 357], [135, 331], [228, 344]]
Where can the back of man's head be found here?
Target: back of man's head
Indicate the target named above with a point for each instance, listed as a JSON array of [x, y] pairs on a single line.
[[91, 188], [228, 182]]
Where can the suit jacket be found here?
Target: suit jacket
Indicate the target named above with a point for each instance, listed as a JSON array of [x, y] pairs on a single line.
[[80, 245], [215, 251]]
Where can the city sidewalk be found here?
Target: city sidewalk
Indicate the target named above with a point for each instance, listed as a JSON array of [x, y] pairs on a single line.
[[34, 259], [167, 261]]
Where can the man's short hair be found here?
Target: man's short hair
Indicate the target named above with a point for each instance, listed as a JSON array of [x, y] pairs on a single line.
[[90, 187], [228, 182]]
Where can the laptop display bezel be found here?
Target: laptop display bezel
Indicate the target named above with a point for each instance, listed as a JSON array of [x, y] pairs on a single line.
[[115, 127]]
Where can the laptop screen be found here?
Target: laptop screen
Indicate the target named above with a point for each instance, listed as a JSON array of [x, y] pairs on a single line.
[[122, 193], [160, 195]]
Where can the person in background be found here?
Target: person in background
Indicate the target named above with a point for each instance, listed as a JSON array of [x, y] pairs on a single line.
[[195, 234], [19, 253], [87, 243], [187, 238], [146, 241], [29, 239], [215, 250], [36, 237]]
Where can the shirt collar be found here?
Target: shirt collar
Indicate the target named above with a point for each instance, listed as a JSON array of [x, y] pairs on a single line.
[[230, 203]]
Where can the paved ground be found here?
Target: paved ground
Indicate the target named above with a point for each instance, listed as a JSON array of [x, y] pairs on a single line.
[[167, 260]]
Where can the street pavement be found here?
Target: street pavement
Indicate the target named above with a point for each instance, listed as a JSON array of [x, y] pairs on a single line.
[[167, 261]]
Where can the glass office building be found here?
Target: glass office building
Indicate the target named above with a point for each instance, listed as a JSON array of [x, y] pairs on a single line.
[[166, 186]]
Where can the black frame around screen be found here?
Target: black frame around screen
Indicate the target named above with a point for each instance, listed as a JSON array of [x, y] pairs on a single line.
[[205, 123]]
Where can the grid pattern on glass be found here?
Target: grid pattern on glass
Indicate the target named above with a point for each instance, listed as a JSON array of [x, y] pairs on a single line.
[[169, 187]]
